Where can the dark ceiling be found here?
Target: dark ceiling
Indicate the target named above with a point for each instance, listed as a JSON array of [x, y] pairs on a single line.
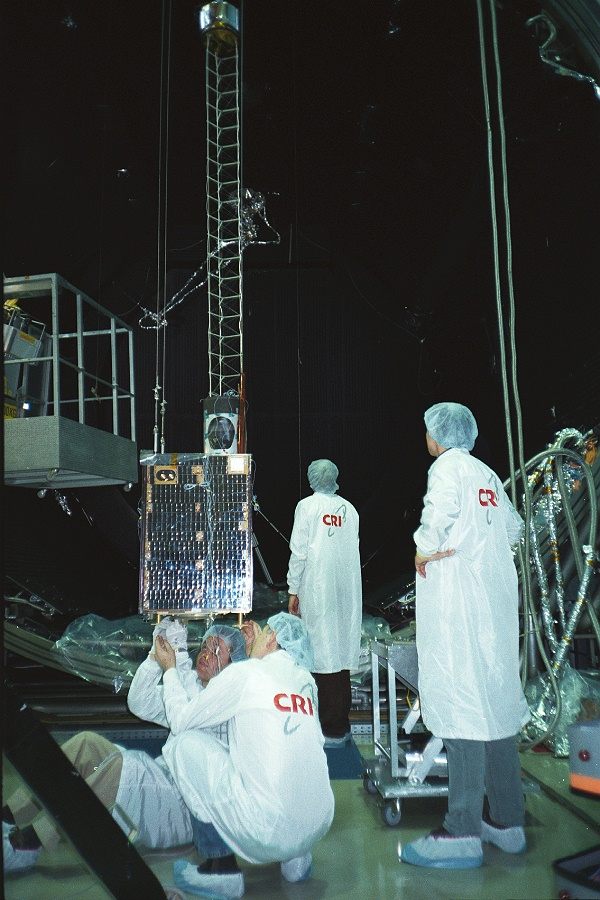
[[364, 126]]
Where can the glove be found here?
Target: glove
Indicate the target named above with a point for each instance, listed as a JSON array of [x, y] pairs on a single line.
[[176, 634], [161, 628]]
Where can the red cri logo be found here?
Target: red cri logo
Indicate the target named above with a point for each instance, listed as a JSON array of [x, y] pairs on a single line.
[[487, 497], [293, 703], [332, 520]]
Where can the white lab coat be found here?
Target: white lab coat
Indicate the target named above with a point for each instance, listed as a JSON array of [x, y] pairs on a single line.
[[149, 803], [268, 795], [467, 606], [324, 571], [147, 794], [146, 694]]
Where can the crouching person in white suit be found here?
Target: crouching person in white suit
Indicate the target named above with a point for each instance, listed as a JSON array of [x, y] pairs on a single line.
[[137, 788], [244, 798]]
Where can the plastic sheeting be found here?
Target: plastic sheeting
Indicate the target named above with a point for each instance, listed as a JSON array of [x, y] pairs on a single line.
[[580, 702], [101, 650], [105, 651], [374, 629]]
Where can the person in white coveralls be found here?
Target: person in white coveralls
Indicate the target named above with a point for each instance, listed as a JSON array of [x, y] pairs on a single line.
[[266, 797], [468, 645], [137, 788], [324, 586]]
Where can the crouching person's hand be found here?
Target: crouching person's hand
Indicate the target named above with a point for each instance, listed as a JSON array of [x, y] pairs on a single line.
[[164, 653]]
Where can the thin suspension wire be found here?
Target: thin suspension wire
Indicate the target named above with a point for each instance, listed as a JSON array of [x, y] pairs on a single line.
[[507, 225], [494, 217], [165, 43], [524, 553], [165, 231], [295, 245], [529, 612]]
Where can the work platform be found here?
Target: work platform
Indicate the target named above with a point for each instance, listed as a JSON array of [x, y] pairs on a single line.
[[69, 395]]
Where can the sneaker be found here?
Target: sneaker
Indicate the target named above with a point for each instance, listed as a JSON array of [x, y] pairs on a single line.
[[337, 741], [440, 850], [188, 878], [16, 860], [297, 869], [511, 839]]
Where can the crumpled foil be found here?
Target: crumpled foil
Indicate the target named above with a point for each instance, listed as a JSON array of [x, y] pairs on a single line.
[[580, 702]]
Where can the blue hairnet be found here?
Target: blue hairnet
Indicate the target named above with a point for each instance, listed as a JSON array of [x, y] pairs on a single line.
[[233, 637], [451, 425], [322, 475], [292, 637]]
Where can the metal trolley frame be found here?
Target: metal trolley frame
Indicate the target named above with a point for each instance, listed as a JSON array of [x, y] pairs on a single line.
[[397, 770]]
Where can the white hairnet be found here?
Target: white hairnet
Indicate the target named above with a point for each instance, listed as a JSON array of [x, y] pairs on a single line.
[[292, 637], [322, 476], [233, 637], [451, 425]]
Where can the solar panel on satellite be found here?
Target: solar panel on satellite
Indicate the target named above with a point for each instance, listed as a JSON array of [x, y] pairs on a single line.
[[196, 550]]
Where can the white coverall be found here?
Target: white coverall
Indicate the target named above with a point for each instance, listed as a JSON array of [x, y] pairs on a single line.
[[151, 802], [467, 606], [136, 789], [324, 571], [268, 795], [147, 792]]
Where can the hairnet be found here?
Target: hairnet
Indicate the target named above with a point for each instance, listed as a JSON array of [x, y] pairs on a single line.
[[233, 637], [322, 475], [292, 637], [451, 425]]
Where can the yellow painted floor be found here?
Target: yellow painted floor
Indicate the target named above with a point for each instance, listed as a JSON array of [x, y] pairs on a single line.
[[358, 858]]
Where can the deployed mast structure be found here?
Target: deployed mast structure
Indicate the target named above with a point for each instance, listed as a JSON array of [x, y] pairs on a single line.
[[197, 516], [219, 23]]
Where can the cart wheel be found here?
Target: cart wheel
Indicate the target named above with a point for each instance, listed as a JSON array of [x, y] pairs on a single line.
[[392, 813], [369, 785]]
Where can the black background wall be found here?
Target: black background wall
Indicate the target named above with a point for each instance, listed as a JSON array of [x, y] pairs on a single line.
[[364, 128]]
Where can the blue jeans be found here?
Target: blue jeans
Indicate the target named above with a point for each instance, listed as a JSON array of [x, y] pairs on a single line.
[[207, 840]]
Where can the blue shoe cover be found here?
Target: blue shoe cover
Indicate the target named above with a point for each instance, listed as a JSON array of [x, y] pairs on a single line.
[[224, 886], [444, 852]]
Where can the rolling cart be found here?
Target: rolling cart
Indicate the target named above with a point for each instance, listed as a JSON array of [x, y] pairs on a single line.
[[399, 768]]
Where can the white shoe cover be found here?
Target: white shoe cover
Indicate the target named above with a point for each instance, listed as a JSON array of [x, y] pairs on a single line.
[[444, 852], [297, 869], [16, 860], [188, 878], [511, 840]]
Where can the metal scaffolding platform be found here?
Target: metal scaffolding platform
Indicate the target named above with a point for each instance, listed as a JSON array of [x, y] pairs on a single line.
[[53, 452], [76, 426]]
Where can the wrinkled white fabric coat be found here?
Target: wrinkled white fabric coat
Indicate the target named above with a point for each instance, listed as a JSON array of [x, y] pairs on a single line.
[[147, 793], [151, 802], [268, 795], [467, 606], [146, 694], [324, 571]]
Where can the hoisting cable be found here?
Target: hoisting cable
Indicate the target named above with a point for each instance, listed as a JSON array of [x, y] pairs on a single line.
[[583, 563], [294, 249], [523, 548], [161, 240]]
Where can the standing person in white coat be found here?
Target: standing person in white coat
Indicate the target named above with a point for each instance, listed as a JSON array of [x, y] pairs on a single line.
[[266, 797], [468, 645], [137, 788], [324, 585]]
